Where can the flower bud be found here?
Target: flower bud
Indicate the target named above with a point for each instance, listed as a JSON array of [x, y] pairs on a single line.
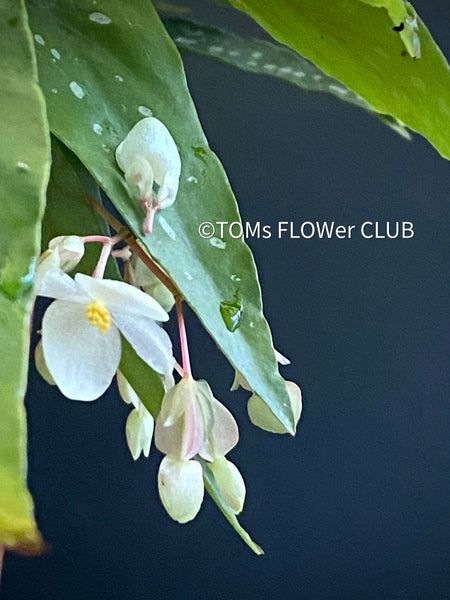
[[149, 154], [261, 415], [64, 252], [70, 249], [139, 431], [180, 485], [230, 482], [41, 365]]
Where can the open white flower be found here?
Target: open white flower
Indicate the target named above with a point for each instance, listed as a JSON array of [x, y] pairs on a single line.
[[81, 331], [148, 156]]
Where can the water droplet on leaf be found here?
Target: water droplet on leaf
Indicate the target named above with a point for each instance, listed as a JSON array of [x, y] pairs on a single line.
[[231, 311], [200, 153]]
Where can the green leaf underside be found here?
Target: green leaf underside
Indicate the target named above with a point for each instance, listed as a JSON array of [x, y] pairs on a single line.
[[106, 77], [24, 164], [355, 43], [213, 491], [264, 58]]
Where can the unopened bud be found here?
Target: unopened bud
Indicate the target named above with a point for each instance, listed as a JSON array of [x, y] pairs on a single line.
[[180, 486], [261, 415], [70, 250], [230, 482]]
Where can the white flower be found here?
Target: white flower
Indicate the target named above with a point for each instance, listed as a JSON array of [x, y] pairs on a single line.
[[148, 155], [261, 415], [64, 252], [140, 423], [192, 422], [81, 332]]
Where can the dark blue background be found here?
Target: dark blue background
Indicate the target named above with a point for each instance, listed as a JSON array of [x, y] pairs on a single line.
[[356, 507]]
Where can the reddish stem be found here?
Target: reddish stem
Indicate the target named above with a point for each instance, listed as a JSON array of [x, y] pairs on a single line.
[[126, 234], [183, 339]]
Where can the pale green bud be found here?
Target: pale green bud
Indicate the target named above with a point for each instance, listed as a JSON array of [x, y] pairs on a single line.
[[139, 432], [41, 365], [230, 482], [261, 415], [180, 486]]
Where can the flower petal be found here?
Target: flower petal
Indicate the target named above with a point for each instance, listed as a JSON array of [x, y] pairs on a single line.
[[168, 190], [225, 433], [181, 489], [169, 439], [140, 178], [80, 358], [148, 339], [177, 399], [120, 296], [57, 284]]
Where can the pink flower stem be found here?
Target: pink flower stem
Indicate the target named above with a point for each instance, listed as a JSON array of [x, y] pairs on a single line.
[[101, 265], [104, 239], [179, 369], [183, 339], [150, 212], [108, 244]]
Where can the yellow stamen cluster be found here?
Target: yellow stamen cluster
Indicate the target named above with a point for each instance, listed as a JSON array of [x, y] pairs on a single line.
[[99, 316]]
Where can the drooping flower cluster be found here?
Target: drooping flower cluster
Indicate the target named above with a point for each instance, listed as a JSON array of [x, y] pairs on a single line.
[[80, 350], [193, 423]]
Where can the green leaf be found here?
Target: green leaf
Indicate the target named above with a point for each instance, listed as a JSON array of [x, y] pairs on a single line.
[[24, 164], [404, 19], [265, 58], [355, 43], [68, 212], [213, 491], [143, 379], [100, 76]]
